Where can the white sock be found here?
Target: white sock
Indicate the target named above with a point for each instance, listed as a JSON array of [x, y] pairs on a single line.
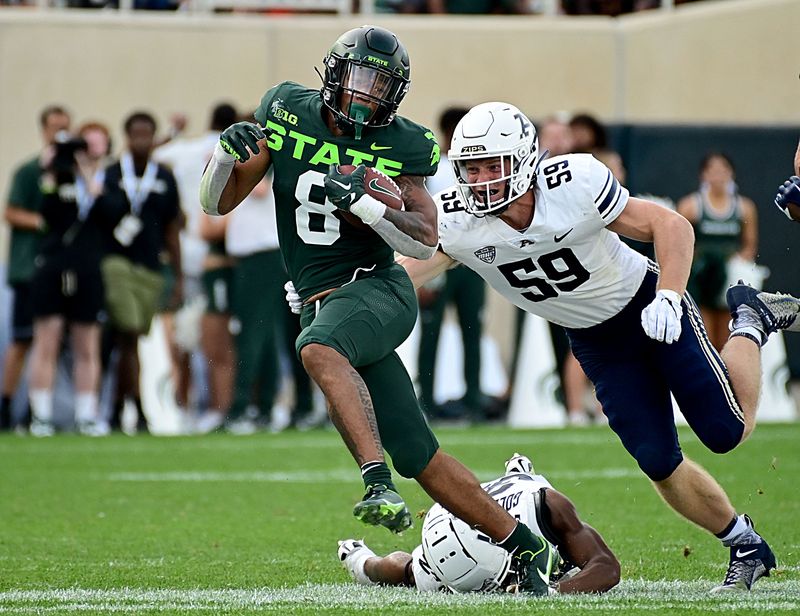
[[41, 404], [740, 531], [85, 407]]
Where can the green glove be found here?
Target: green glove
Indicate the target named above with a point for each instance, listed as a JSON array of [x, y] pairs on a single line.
[[342, 189], [237, 138]]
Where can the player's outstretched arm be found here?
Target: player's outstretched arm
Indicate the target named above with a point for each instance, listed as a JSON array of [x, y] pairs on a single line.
[[671, 234], [240, 161], [582, 546], [422, 271]]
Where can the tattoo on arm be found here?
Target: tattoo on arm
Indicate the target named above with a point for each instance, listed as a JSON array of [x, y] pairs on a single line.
[[418, 221], [342, 425]]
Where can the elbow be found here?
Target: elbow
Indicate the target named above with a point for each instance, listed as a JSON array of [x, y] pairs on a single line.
[[612, 573], [686, 229]]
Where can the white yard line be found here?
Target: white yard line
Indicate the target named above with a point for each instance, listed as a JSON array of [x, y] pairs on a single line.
[[774, 597], [333, 475]]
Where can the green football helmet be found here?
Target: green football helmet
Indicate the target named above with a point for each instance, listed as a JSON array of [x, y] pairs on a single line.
[[367, 74]]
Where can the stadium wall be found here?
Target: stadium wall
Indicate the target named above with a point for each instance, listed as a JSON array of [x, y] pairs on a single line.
[[721, 62]]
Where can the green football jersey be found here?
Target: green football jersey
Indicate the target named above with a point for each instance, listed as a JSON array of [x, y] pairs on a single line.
[[320, 248], [25, 194]]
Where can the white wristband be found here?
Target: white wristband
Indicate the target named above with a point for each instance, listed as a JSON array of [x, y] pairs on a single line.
[[215, 179], [222, 156], [368, 209]]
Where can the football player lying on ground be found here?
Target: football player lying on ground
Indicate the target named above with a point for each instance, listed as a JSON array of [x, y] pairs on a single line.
[[546, 239], [454, 557]]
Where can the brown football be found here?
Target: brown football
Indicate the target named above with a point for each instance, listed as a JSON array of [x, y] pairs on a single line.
[[377, 185]]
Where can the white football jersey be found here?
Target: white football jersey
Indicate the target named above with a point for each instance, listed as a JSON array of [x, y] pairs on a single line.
[[517, 493], [566, 266]]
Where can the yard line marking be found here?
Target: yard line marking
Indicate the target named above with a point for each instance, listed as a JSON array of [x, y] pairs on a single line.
[[334, 475], [644, 595]]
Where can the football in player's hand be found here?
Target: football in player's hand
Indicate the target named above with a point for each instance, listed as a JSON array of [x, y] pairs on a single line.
[[377, 185]]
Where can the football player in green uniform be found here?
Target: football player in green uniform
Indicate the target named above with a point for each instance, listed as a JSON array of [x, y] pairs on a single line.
[[359, 306]]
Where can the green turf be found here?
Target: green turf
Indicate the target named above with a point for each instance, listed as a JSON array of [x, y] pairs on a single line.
[[231, 525]]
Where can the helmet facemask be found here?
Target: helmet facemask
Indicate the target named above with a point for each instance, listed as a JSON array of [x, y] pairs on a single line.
[[500, 136], [363, 86]]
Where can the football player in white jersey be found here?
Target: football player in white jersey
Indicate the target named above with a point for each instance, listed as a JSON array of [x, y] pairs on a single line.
[[454, 557], [543, 233]]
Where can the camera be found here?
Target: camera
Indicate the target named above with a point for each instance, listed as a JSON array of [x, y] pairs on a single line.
[[66, 145]]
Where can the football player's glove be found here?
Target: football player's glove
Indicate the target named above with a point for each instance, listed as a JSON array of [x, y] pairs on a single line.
[[788, 194], [342, 189], [293, 298], [237, 138], [661, 319]]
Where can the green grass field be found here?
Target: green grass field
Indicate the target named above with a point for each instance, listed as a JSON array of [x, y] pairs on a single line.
[[232, 525]]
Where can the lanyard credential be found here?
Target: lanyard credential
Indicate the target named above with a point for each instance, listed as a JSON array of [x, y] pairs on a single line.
[[137, 189], [83, 197]]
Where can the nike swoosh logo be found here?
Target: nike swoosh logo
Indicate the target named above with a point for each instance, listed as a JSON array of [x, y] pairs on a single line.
[[558, 238], [338, 183], [543, 576], [375, 147], [740, 554], [373, 184]]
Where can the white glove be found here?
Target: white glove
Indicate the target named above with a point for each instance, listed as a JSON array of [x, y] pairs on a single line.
[[293, 299], [661, 319]]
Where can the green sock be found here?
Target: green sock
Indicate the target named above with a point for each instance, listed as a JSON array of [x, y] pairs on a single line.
[[522, 543], [377, 473]]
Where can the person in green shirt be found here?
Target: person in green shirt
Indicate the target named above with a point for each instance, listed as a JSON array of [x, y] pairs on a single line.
[[359, 306], [23, 215]]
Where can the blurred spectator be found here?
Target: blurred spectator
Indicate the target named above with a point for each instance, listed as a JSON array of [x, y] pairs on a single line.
[[145, 194], [23, 215], [260, 313], [555, 135], [187, 158], [478, 7], [588, 133], [461, 288], [67, 285], [216, 340], [725, 225]]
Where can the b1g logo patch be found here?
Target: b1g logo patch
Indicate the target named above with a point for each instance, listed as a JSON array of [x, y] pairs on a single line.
[[486, 254]]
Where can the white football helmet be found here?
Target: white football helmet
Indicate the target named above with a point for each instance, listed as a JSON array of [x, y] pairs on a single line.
[[461, 557], [494, 130]]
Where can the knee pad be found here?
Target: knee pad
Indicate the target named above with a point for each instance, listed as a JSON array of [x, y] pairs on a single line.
[[413, 456], [657, 464]]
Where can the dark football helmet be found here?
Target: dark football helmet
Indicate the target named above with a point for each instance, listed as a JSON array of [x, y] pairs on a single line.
[[367, 74]]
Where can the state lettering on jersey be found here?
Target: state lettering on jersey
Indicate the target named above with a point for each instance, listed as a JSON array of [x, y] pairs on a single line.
[[486, 254], [315, 152]]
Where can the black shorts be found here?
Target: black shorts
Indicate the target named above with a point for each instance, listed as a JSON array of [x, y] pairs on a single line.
[[22, 313], [634, 376], [74, 292]]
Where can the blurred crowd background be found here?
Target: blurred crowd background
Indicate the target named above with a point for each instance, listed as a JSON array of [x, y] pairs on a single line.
[[144, 313]]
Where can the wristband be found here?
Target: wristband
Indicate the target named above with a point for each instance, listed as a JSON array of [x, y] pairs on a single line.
[[368, 209]]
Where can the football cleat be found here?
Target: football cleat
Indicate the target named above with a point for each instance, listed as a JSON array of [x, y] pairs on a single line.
[[383, 507], [749, 562], [535, 568], [354, 554], [776, 310], [519, 464]]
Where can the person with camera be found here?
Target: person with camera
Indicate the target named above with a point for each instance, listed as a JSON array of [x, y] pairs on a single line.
[[67, 286], [26, 224]]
